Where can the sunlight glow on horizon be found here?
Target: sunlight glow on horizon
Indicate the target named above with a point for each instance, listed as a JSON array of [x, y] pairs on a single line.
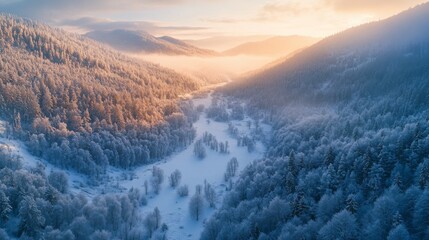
[[197, 19]]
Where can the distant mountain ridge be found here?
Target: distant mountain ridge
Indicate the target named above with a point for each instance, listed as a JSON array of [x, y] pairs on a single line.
[[275, 46], [143, 42], [223, 43]]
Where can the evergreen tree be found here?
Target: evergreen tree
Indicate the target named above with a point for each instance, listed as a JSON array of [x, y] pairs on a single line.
[[375, 179], [290, 182], [299, 206], [5, 208], [423, 174], [342, 226], [330, 157], [351, 204], [292, 164], [399, 232], [32, 219], [421, 213]]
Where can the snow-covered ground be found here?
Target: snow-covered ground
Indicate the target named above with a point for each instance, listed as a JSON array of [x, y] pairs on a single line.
[[174, 209], [18, 148]]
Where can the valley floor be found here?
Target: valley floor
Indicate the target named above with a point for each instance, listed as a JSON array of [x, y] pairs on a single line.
[[174, 209]]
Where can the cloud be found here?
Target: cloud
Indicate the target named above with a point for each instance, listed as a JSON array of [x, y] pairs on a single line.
[[98, 24], [42, 9], [290, 7], [222, 20], [270, 12], [383, 7]]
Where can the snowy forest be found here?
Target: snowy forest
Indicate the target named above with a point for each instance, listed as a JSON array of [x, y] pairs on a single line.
[[349, 158], [330, 142], [84, 107], [35, 205]]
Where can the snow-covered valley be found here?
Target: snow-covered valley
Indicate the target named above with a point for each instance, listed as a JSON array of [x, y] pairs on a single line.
[[174, 209], [194, 171]]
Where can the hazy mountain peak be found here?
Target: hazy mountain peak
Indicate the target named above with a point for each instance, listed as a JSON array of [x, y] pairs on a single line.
[[275, 46], [143, 42]]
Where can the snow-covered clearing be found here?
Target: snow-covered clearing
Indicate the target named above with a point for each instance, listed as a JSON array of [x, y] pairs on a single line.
[[174, 209]]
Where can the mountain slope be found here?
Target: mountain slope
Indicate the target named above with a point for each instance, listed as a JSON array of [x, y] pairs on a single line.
[[83, 106], [142, 42], [327, 62], [349, 158], [278, 46]]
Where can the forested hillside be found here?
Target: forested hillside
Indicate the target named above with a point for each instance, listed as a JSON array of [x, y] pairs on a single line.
[[84, 107], [36, 205], [349, 158], [346, 64]]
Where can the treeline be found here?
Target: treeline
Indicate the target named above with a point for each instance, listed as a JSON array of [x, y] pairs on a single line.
[[218, 110], [34, 205], [83, 106]]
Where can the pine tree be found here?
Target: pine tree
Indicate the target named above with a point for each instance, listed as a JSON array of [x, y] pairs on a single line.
[[290, 182], [367, 163], [5, 208], [375, 181], [330, 157], [31, 218], [424, 174], [399, 232], [46, 101], [351, 204], [398, 181], [292, 164], [330, 178], [421, 213], [255, 231], [299, 205], [51, 195], [342, 226]]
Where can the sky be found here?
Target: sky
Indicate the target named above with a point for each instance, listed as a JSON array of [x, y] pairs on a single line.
[[196, 19]]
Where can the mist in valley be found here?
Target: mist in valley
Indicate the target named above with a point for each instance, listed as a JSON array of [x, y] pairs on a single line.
[[211, 69]]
